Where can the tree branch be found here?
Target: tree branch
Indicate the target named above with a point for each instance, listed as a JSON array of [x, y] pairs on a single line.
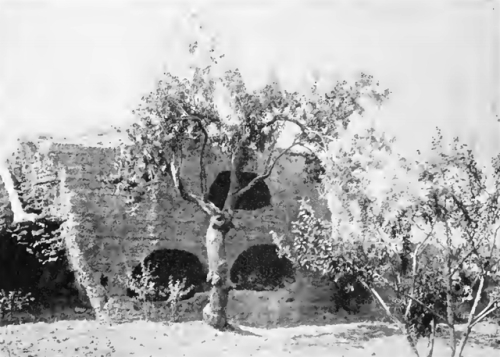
[[302, 127], [432, 338], [414, 268], [473, 250], [471, 315], [493, 245], [476, 301], [185, 117], [265, 175], [46, 182], [428, 309], [492, 306], [284, 118], [203, 174], [379, 299], [207, 207]]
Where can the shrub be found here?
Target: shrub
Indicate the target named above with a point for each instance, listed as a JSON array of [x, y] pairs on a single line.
[[11, 302], [147, 290]]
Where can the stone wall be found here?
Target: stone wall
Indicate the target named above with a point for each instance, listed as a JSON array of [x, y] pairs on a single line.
[[113, 241]]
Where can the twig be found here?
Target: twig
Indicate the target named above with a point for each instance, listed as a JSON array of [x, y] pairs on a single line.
[[493, 305], [428, 309], [264, 175]]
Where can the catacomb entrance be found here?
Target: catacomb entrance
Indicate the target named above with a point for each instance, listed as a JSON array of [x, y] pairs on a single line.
[[260, 268], [175, 263], [255, 198]]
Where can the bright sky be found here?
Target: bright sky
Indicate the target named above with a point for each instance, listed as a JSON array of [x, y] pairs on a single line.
[[71, 68]]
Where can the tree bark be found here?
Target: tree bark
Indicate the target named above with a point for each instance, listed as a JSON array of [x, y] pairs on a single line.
[[214, 313], [449, 308]]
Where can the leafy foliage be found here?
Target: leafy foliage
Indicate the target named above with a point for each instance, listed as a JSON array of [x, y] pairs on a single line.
[[181, 117], [34, 177], [11, 302], [180, 120], [147, 289], [42, 238], [463, 203], [435, 251]]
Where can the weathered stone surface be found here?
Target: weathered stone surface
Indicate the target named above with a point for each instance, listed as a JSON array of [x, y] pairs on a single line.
[[113, 241]]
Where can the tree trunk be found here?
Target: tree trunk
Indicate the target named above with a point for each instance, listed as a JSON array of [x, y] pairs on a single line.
[[214, 313], [449, 308]]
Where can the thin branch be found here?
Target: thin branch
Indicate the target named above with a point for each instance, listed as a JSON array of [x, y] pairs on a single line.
[[271, 151], [432, 338], [208, 207], [471, 315], [492, 306], [388, 243], [46, 182], [381, 302], [305, 147], [264, 175], [493, 245], [461, 206], [414, 267], [284, 118], [473, 250], [303, 127], [428, 309], [476, 301], [203, 174], [185, 117]]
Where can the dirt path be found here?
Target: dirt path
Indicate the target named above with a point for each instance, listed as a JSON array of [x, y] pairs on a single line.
[[140, 338]]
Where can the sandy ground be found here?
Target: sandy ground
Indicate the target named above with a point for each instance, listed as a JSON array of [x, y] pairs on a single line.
[[143, 338]]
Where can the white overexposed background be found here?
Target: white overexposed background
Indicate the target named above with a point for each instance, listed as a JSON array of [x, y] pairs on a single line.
[[73, 69]]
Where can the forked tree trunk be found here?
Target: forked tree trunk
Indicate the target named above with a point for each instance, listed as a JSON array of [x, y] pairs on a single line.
[[214, 313]]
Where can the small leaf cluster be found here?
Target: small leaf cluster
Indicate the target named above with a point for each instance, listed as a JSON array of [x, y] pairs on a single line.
[[13, 301], [41, 238]]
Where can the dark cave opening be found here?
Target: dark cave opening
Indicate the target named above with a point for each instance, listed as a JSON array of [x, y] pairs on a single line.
[[255, 198], [259, 268], [177, 263]]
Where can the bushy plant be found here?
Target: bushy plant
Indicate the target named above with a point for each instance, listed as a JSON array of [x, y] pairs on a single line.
[[147, 290], [42, 238], [11, 302], [435, 250]]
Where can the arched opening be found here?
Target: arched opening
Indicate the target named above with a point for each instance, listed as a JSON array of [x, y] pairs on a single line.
[[255, 198], [176, 263], [20, 269], [26, 270], [259, 268]]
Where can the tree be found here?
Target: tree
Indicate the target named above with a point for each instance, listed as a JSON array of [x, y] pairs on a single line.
[[462, 199], [369, 237], [438, 244], [181, 118]]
